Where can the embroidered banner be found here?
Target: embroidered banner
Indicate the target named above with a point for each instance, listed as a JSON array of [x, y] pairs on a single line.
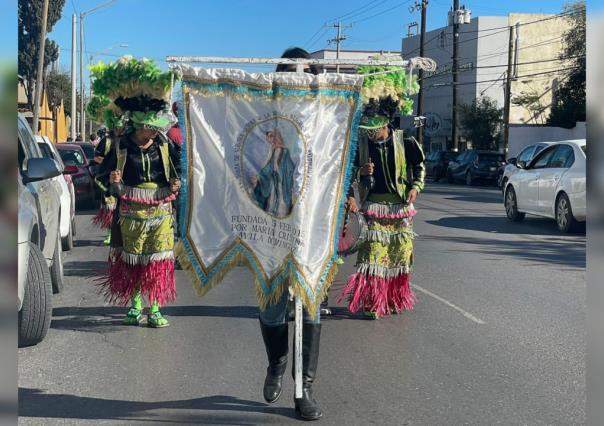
[[266, 167]]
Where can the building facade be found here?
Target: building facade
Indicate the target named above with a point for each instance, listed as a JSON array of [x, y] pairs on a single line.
[[483, 61]]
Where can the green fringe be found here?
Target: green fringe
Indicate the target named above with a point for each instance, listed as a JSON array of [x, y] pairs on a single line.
[[264, 300]]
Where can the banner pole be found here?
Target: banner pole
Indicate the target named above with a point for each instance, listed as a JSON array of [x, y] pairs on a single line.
[[298, 338]]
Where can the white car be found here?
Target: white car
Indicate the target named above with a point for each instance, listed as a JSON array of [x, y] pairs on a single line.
[[527, 154], [66, 191], [550, 185]]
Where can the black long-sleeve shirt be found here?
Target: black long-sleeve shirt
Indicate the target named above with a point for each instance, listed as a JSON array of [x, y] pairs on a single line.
[[142, 165]]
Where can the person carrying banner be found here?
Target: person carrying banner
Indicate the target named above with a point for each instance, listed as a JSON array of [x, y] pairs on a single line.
[[391, 175], [143, 171], [274, 327]]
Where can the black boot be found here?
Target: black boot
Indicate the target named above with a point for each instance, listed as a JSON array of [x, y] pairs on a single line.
[[306, 407], [275, 341]]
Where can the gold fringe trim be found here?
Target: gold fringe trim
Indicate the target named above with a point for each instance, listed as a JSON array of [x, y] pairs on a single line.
[[264, 300]]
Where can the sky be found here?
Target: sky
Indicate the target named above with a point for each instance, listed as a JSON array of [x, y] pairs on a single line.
[[261, 28]]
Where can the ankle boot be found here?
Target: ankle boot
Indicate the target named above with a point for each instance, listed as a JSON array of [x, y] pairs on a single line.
[[275, 342], [306, 407]]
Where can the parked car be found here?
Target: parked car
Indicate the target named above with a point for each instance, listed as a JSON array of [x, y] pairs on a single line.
[[473, 165], [77, 165], [437, 163], [550, 185], [40, 268], [526, 155], [67, 193], [88, 149]]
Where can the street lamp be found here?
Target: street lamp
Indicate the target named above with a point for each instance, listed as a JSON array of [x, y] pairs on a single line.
[[82, 16]]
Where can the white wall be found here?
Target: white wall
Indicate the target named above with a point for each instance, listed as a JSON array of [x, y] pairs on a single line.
[[521, 136]]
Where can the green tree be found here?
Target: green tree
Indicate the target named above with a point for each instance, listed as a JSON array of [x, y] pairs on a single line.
[[568, 105], [481, 122], [29, 29]]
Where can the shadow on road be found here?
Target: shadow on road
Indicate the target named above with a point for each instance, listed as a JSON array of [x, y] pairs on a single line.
[[37, 404], [88, 243], [561, 252], [85, 268], [109, 318], [501, 225]]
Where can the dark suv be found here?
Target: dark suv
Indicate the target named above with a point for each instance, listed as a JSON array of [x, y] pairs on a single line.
[[437, 162], [473, 165]]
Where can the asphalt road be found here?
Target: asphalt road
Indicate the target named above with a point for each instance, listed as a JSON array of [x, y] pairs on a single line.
[[497, 337]]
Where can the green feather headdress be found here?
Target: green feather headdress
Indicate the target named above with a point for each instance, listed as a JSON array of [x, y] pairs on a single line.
[[385, 94], [136, 89]]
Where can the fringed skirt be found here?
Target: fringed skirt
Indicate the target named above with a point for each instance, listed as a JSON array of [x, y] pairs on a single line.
[[141, 257], [104, 217], [381, 283]]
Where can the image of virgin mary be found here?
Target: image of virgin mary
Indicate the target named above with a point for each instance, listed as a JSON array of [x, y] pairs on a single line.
[[273, 186]]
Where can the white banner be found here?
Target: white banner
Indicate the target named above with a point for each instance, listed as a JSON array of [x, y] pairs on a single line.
[[265, 168]]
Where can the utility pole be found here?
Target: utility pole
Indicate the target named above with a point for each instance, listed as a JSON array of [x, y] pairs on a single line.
[[74, 103], [420, 95], [508, 94], [339, 38], [39, 85], [454, 137], [82, 117]]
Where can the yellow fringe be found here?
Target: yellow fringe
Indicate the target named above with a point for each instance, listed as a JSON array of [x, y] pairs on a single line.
[[264, 300]]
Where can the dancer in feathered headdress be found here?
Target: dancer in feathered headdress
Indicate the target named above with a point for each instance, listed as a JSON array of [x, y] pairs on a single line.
[[391, 175], [142, 171]]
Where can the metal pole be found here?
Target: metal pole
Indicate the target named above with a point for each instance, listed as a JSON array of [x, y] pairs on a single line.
[[420, 95], [298, 328], [455, 54], [508, 93], [39, 85], [338, 25], [74, 102], [82, 118]]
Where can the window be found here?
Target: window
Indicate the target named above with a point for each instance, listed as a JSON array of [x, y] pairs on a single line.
[[72, 157], [46, 152], [538, 149], [526, 154], [563, 157], [542, 160]]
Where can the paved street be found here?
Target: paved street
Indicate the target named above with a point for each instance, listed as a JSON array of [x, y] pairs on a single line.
[[497, 337]]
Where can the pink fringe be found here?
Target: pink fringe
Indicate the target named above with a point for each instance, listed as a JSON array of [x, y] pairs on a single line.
[[104, 218], [401, 215], [381, 296], [155, 281], [149, 201]]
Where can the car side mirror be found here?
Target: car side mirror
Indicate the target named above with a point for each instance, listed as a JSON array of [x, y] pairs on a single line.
[[512, 160], [521, 164], [40, 169]]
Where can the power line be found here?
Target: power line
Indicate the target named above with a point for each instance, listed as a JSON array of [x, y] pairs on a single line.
[[381, 13], [556, 16], [325, 30], [520, 77], [359, 10]]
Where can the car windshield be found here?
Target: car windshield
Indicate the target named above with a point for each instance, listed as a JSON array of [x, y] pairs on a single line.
[[72, 157], [88, 151]]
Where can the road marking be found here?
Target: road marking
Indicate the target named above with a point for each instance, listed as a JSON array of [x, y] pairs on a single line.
[[446, 302]]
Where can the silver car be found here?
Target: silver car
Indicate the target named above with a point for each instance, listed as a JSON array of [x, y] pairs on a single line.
[[40, 268]]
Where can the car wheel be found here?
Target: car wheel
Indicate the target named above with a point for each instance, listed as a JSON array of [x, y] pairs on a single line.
[[564, 214], [56, 270], [469, 178], [450, 177], [67, 242], [511, 206], [34, 316]]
